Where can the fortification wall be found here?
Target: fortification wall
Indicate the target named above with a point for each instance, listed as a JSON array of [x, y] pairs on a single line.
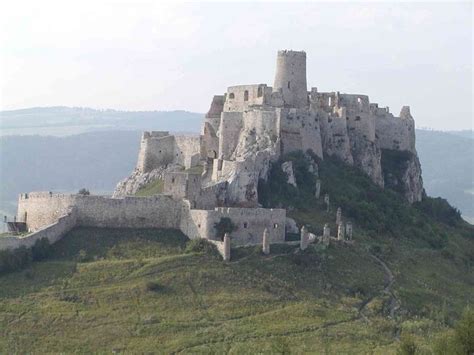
[[300, 130], [334, 135], [39, 209], [230, 127], [53, 232], [397, 133], [240, 97], [158, 211], [250, 223], [155, 151], [187, 150]]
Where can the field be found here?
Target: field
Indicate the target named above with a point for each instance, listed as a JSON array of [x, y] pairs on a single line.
[[107, 290]]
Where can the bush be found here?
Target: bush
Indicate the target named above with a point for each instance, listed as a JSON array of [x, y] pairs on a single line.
[[407, 346], [84, 192], [41, 249], [439, 209], [201, 246], [461, 341], [153, 286], [14, 260]]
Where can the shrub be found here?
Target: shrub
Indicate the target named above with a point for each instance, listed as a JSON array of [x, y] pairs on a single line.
[[201, 246], [407, 346], [82, 256], [41, 249], [464, 332], [440, 210], [16, 259], [84, 192], [153, 286]]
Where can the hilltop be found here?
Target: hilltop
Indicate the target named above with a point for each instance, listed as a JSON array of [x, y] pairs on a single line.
[[409, 272]]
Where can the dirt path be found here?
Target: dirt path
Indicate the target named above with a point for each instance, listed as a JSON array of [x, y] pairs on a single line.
[[394, 304]]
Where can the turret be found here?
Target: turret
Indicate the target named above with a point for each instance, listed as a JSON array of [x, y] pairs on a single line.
[[290, 78]]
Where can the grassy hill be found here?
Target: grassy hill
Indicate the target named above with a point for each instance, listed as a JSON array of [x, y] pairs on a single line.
[[408, 274]]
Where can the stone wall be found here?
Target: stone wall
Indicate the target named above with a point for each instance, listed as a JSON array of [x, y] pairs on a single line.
[[53, 232], [240, 97], [230, 127], [159, 149], [158, 211], [396, 133], [155, 151], [250, 223], [39, 209]]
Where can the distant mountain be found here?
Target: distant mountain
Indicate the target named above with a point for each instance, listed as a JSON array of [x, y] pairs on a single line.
[[447, 162], [464, 133], [62, 121]]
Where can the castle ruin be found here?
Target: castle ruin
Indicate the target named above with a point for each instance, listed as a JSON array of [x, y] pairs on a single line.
[[216, 174]]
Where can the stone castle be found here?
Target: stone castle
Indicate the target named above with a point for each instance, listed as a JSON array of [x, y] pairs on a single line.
[[216, 174]]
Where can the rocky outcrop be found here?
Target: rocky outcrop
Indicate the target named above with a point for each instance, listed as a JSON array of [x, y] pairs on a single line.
[[137, 180], [412, 180], [287, 168]]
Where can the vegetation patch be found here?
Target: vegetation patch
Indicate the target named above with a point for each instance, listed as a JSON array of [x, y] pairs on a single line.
[[153, 188]]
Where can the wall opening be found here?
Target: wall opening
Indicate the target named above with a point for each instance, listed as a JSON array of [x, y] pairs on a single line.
[[26, 216], [231, 95], [246, 224], [289, 85], [275, 226], [260, 91], [246, 95]]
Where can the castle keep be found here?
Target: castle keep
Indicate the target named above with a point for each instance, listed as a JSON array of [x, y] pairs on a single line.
[[215, 175]]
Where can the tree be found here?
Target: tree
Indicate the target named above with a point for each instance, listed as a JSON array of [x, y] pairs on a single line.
[[84, 192], [224, 226]]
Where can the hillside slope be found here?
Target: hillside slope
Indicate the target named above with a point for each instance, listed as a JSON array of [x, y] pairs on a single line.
[[409, 272]]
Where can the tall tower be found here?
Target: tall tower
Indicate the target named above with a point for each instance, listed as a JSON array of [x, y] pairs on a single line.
[[290, 76]]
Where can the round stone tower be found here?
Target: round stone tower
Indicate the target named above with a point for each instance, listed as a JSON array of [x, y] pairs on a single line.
[[290, 77]]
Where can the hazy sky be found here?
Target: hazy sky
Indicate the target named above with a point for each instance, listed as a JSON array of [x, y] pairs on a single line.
[[138, 55]]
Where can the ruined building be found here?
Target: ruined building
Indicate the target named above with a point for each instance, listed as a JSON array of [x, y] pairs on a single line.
[[216, 173]]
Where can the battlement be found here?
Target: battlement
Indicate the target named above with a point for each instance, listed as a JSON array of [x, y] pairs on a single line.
[[291, 53], [155, 134]]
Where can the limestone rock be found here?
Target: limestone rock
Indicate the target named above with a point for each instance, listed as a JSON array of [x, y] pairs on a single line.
[[412, 180], [287, 168]]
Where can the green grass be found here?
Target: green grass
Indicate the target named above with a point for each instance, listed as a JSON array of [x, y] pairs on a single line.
[[153, 188], [142, 291]]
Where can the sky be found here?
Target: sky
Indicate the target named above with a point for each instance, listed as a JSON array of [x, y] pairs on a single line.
[[150, 55]]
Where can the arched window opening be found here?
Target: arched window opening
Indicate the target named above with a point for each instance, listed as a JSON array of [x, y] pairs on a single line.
[[260, 91], [246, 95], [231, 95], [275, 226]]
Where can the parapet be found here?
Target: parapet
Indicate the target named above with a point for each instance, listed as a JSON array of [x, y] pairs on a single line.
[[291, 53], [155, 134]]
